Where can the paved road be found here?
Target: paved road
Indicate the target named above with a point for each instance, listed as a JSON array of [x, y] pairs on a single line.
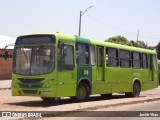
[[21, 103], [7, 102], [141, 108]]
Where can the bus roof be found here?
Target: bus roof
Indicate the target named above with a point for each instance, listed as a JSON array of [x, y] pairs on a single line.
[[95, 42]]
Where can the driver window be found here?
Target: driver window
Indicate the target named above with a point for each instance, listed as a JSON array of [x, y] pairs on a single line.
[[66, 57]]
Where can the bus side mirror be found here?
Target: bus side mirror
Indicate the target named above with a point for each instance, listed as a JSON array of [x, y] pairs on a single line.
[[5, 56]]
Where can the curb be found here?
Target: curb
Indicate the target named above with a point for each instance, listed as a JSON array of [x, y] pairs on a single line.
[[63, 113]]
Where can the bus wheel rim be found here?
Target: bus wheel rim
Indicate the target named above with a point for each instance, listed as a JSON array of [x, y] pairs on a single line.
[[82, 93]]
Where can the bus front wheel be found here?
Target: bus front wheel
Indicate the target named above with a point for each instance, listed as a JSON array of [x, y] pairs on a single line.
[[48, 99], [82, 93], [136, 90]]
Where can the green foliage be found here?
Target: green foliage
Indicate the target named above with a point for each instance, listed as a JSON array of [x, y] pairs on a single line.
[[119, 40], [123, 41], [138, 43], [134, 43]]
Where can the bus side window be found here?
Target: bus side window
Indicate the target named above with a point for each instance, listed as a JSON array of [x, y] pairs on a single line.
[[66, 57], [82, 54], [136, 60], [92, 55], [144, 61], [124, 58], [112, 57]]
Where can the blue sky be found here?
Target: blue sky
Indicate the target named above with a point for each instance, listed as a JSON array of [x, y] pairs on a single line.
[[107, 18]]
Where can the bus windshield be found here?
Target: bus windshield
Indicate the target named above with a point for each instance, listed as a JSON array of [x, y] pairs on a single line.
[[33, 60]]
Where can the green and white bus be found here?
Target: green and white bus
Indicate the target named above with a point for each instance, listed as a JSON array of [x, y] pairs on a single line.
[[55, 65]]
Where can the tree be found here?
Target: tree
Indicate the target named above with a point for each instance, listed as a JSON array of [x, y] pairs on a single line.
[[134, 43], [119, 40], [139, 44]]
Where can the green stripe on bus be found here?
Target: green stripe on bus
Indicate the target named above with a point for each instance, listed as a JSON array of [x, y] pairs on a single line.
[[84, 72], [82, 40]]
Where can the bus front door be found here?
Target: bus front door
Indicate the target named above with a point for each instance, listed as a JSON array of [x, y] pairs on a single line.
[[66, 70], [100, 86]]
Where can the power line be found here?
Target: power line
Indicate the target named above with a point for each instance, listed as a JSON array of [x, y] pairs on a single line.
[[122, 30]]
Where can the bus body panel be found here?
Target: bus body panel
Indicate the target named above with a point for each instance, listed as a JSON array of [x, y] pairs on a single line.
[[118, 78]]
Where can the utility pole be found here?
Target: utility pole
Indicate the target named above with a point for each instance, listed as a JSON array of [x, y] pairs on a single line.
[[138, 35], [79, 32], [80, 19]]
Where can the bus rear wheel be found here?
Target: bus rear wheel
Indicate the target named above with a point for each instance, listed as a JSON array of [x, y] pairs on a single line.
[[48, 99], [82, 93], [136, 90]]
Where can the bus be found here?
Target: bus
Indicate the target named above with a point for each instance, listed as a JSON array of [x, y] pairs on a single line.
[[55, 65]]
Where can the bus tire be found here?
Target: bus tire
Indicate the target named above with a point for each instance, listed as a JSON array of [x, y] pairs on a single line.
[[136, 90], [48, 99], [83, 93], [106, 96]]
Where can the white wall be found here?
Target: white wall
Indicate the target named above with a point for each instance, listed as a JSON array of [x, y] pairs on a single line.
[[5, 40]]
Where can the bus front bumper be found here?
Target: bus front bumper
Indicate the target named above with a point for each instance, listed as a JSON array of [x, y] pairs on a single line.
[[37, 92]]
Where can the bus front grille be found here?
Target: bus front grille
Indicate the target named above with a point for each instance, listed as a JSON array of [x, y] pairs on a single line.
[[30, 86], [27, 80], [30, 91]]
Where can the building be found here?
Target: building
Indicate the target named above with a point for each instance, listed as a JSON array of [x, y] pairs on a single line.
[[6, 64]]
